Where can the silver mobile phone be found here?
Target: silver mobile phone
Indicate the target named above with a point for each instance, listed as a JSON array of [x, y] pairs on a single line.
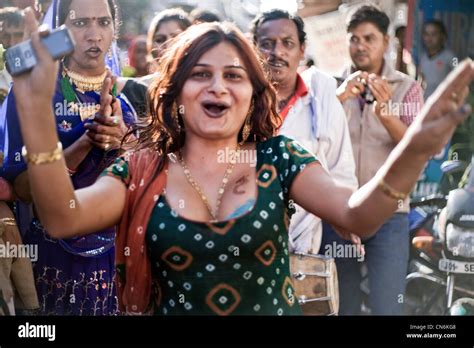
[[21, 58]]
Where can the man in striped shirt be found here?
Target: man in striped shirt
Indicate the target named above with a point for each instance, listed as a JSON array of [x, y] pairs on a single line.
[[380, 104]]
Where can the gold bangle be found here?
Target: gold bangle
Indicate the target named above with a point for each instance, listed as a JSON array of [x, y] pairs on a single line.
[[391, 192], [8, 221], [43, 157]]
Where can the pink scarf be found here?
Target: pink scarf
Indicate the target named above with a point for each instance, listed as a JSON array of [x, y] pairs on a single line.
[[134, 270]]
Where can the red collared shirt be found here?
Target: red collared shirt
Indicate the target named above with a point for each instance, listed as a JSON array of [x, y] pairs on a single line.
[[301, 91]]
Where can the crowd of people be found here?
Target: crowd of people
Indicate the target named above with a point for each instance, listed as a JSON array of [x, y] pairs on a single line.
[[119, 183]]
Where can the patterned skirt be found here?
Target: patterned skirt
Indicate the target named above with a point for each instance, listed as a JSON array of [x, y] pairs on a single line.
[[69, 284]]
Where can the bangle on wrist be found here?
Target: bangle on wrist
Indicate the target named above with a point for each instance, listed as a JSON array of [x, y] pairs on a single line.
[[8, 221], [391, 192], [43, 157]]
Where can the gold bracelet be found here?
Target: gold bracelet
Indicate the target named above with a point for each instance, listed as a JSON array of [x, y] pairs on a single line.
[[8, 221], [43, 157], [391, 192]]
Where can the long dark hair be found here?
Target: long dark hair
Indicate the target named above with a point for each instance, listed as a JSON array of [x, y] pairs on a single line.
[[159, 131]]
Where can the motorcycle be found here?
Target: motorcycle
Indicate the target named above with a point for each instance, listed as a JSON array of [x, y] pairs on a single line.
[[457, 236], [441, 275]]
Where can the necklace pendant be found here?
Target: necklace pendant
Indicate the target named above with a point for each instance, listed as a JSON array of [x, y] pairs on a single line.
[[87, 111], [212, 212]]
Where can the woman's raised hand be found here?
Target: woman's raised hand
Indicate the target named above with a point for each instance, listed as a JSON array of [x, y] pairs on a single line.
[[108, 128], [442, 113]]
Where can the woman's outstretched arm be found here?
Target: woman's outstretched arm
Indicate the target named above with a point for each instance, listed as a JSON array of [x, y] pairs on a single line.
[[363, 211], [63, 212]]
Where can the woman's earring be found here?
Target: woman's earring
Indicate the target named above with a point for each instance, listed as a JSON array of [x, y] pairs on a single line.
[[174, 114], [247, 126], [109, 53]]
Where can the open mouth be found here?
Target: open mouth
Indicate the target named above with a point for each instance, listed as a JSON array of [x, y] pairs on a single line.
[[215, 109], [94, 52], [277, 63]]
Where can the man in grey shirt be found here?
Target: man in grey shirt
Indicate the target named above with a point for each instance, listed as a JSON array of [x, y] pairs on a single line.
[[437, 60]]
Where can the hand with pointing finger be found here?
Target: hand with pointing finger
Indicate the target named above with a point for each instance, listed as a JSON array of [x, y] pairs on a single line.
[[107, 129]]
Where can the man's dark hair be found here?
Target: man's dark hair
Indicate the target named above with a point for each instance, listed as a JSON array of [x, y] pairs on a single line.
[[201, 15], [274, 15], [11, 16], [437, 23], [369, 14]]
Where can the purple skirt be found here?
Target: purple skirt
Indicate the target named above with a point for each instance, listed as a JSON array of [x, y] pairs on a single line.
[[69, 284]]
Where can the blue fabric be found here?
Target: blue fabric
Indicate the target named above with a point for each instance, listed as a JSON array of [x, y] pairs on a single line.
[[74, 276], [68, 284], [386, 258], [70, 128], [430, 180], [74, 258], [50, 16], [12, 142]]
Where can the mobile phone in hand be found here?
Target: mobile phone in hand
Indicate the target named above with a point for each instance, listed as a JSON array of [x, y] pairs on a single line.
[[21, 58]]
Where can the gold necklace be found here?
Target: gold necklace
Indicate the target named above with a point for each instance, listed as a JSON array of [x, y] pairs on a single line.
[[86, 83], [220, 193]]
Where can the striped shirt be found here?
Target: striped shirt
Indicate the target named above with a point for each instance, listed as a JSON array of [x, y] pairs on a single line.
[[412, 104]]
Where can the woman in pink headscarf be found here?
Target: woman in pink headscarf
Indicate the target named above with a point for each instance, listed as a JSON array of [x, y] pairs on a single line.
[[138, 64]]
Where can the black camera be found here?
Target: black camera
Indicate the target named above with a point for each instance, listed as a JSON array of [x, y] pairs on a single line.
[[367, 94], [21, 58]]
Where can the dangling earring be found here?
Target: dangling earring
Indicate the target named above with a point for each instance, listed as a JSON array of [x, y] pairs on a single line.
[[174, 115], [247, 126], [109, 53]]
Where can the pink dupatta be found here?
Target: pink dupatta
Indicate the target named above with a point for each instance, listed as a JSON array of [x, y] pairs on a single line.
[[134, 276]]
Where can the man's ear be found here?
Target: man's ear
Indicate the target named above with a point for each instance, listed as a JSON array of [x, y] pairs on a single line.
[[302, 49], [386, 41]]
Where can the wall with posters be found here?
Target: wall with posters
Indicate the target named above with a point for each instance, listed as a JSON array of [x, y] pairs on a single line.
[[327, 42]]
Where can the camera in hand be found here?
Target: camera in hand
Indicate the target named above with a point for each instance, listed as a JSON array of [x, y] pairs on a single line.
[[367, 95], [21, 58]]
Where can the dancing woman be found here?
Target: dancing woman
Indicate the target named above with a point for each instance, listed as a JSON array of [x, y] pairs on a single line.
[[211, 232]]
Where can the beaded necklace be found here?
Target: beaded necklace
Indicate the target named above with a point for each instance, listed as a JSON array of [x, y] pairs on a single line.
[[85, 110]]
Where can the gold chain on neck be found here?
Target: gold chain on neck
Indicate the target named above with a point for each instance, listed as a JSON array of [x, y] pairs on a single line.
[[86, 83], [220, 193]]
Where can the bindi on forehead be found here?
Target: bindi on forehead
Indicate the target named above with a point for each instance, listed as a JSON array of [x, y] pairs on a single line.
[[74, 15], [89, 9]]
